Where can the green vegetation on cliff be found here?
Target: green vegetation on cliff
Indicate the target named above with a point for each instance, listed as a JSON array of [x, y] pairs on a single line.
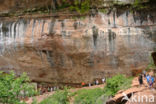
[[80, 7]]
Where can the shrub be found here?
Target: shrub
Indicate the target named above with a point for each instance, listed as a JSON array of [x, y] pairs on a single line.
[[60, 97], [88, 96], [116, 83], [81, 6], [13, 88], [151, 64]]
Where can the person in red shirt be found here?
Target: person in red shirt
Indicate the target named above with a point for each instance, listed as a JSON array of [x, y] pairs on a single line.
[[83, 84]]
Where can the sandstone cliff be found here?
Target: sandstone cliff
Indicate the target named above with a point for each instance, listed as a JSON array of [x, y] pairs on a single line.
[[76, 49]]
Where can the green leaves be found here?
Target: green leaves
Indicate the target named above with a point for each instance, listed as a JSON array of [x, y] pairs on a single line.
[[151, 64], [114, 84], [81, 6], [60, 97], [13, 88], [88, 96]]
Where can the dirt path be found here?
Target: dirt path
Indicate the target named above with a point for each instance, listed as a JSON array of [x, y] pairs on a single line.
[[136, 89], [145, 96]]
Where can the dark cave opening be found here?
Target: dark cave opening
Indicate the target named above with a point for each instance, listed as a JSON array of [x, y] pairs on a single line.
[[154, 57]]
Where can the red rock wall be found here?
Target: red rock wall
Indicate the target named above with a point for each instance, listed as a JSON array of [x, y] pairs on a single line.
[[74, 50]]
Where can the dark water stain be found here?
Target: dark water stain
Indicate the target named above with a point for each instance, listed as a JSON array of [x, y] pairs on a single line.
[[75, 25], [43, 26], [49, 55], [114, 16], [51, 27], [63, 33], [111, 39], [95, 35], [62, 24]]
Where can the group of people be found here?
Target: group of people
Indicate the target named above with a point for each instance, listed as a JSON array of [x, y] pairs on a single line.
[[149, 78], [96, 82], [43, 89]]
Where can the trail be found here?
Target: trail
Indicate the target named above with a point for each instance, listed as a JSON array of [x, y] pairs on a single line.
[[136, 89], [45, 95], [139, 92]]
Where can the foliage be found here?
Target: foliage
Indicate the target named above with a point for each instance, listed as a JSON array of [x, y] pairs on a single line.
[[138, 5], [103, 10], [151, 64], [60, 97], [81, 6], [116, 83], [102, 99], [88, 96], [12, 88]]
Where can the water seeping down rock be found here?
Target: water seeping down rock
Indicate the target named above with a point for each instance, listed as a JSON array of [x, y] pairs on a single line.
[[69, 51]]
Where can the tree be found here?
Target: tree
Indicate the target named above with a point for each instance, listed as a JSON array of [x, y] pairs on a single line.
[[13, 89]]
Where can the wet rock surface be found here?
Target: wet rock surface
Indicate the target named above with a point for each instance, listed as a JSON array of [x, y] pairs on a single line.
[[70, 51]]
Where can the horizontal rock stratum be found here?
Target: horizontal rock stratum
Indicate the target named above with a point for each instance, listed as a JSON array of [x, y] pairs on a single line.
[[69, 51]]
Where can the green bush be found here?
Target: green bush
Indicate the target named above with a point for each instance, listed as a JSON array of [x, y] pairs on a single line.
[[151, 65], [13, 88], [116, 83], [81, 6], [59, 97], [88, 96]]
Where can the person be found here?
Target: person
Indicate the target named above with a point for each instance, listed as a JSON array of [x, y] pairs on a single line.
[[89, 84], [140, 79], [144, 73], [152, 80], [97, 82], [148, 79], [83, 84], [103, 80], [51, 89]]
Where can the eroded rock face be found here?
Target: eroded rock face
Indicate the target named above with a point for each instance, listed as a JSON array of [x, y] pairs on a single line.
[[74, 50]]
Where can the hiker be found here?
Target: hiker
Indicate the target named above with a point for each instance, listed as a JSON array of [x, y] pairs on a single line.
[[140, 79], [83, 84], [148, 79], [40, 89], [144, 73], [51, 89], [97, 82], [89, 85], [152, 80], [55, 88], [103, 80]]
